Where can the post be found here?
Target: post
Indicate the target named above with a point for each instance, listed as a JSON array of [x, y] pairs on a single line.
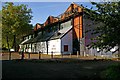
[[9, 55], [9, 49], [52, 55], [70, 55], [22, 55], [28, 55], [77, 54], [39, 55], [61, 54]]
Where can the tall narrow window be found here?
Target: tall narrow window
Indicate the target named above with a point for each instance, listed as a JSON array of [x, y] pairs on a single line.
[[65, 48]]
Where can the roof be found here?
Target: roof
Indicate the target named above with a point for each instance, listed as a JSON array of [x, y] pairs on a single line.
[[40, 38], [32, 32], [49, 36], [50, 20], [38, 26], [44, 37], [61, 33], [24, 41]]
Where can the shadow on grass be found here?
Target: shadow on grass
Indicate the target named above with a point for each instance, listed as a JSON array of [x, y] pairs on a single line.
[[54, 69]]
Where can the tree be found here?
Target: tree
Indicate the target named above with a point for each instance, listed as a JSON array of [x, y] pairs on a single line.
[[108, 34], [0, 28], [15, 23]]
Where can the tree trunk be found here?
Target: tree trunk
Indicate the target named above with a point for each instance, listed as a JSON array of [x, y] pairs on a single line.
[[8, 49], [14, 43]]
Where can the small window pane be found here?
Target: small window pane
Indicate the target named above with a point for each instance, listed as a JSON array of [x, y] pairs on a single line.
[[65, 48]]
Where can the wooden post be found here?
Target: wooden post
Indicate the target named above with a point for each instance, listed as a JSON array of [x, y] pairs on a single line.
[[77, 54], [39, 55], [9, 55], [22, 55], [70, 55], [28, 55], [61, 54], [52, 55]]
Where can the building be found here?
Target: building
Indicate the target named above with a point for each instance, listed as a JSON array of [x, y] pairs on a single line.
[[63, 34]]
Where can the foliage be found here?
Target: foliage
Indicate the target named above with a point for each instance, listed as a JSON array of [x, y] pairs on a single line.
[[0, 28], [15, 21], [111, 73], [108, 34]]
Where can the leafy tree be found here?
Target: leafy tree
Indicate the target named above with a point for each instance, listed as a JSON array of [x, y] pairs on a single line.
[[0, 28], [15, 23], [108, 34]]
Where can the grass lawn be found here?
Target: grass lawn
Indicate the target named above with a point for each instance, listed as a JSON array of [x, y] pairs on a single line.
[[55, 68]]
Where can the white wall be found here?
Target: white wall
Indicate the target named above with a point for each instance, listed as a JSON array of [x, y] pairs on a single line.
[[29, 49], [54, 46], [37, 47], [67, 40], [33, 47], [41, 47]]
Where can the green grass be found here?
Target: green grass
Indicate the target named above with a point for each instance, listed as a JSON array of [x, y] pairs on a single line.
[[111, 73]]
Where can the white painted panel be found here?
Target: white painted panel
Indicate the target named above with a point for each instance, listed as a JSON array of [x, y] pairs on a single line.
[[33, 47], [54, 46], [41, 47], [29, 48]]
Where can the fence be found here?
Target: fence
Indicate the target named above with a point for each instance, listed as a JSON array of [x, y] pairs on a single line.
[[16, 55]]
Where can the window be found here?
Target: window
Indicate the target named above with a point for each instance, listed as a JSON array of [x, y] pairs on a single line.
[[53, 45], [65, 48]]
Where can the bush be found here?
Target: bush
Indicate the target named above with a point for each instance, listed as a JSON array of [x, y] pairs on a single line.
[[111, 73]]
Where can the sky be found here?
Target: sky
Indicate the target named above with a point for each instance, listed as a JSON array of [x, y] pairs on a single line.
[[41, 10]]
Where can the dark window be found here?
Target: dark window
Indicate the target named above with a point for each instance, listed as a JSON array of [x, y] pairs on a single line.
[[65, 48]]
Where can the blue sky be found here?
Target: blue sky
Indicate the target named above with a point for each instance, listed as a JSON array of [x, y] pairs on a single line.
[[41, 10]]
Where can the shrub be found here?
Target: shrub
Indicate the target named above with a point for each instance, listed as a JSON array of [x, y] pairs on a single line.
[[111, 73]]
